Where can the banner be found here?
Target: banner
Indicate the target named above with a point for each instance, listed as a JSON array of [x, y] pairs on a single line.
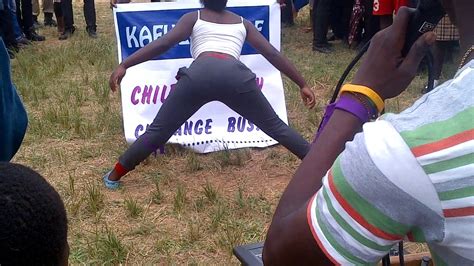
[[146, 86]]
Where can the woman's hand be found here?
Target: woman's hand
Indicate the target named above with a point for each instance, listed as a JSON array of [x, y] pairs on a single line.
[[116, 77], [384, 69], [308, 97]]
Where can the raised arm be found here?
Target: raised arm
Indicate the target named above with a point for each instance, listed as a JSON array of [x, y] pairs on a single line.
[[257, 41], [180, 32]]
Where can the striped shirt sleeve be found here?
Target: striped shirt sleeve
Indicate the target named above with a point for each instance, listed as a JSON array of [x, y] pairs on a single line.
[[360, 212]]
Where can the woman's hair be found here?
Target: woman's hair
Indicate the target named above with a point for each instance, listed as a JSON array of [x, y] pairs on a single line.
[[215, 5]]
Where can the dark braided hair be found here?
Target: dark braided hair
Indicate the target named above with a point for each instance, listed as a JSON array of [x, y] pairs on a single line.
[[215, 5], [33, 223]]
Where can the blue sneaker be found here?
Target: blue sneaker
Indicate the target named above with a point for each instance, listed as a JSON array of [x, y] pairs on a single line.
[[110, 184]]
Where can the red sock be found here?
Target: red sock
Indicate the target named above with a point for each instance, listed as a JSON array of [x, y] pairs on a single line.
[[120, 170]]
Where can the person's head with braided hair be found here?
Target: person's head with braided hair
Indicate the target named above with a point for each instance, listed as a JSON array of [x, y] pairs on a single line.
[[33, 222]]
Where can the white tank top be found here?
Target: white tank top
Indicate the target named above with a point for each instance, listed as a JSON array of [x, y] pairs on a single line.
[[214, 37]]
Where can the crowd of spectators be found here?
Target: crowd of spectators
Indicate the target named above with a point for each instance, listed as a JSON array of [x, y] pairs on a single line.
[[19, 21], [354, 22]]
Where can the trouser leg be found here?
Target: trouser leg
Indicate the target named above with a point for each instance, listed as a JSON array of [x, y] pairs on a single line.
[[89, 14], [26, 14], [253, 106], [48, 6], [35, 7], [68, 14], [181, 104], [321, 22], [6, 27], [287, 13], [14, 19], [371, 22], [439, 52], [18, 13], [58, 12]]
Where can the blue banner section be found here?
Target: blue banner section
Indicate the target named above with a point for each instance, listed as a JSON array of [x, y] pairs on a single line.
[[138, 28]]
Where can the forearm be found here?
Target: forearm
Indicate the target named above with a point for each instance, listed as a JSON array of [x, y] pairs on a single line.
[[340, 129]]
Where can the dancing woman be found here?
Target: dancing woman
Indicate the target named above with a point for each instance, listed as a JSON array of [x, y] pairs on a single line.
[[216, 74]]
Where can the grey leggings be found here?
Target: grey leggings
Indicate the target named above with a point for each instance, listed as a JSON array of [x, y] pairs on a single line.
[[213, 79]]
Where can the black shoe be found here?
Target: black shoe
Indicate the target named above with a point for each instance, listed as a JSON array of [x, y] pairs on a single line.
[[23, 41], [92, 33], [33, 36], [325, 49], [67, 34], [49, 21]]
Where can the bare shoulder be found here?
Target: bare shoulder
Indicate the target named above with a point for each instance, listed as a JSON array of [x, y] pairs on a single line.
[[189, 19], [250, 28]]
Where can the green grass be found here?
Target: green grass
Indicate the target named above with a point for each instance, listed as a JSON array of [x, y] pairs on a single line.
[[178, 208], [180, 198], [133, 208]]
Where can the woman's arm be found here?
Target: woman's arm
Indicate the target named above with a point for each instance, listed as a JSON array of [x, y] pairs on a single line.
[[256, 39], [180, 32]]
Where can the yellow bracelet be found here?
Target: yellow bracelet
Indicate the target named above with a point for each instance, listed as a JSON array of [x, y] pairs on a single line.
[[372, 95]]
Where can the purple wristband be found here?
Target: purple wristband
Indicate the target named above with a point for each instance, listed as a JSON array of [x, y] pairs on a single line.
[[347, 104], [353, 106], [327, 114]]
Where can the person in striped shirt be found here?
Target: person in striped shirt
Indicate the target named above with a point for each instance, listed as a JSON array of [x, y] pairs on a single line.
[[404, 176]]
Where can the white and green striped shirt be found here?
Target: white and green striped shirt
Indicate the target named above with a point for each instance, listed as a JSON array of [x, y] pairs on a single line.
[[407, 175]]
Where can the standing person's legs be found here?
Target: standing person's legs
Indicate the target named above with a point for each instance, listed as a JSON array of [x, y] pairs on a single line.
[[26, 11], [14, 20], [371, 22], [18, 13], [68, 15], [439, 51], [181, 104], [250, 102], [25, 18], [446, 34], [36, 11], [346, 17], [321, 26], [58, 12], [48, 10], [287, 13], [6, 27], [336, 19], [90, 16]]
